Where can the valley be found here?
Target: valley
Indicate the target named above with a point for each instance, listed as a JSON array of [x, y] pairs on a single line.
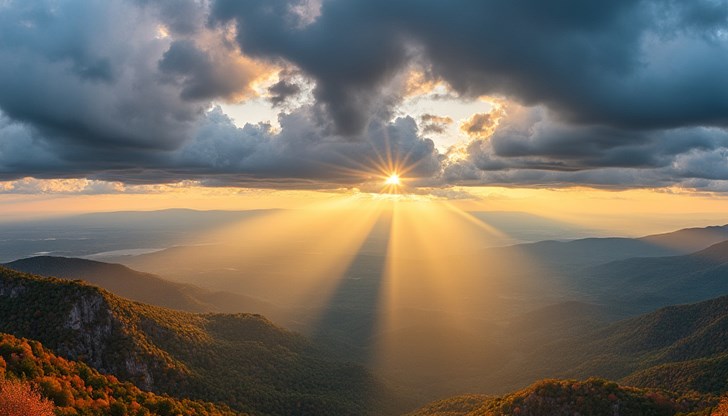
[[582, 326]]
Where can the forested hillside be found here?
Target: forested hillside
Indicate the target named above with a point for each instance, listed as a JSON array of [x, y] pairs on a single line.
[[571, 397], [643, 284], [242, 360], [77, 389], [677, 348]]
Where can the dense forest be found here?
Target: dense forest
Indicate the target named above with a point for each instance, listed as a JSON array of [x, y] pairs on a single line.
[[242, 360], [74, 388], [571, 397]]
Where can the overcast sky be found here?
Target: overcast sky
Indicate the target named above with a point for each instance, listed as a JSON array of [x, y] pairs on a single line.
[[321, 94]]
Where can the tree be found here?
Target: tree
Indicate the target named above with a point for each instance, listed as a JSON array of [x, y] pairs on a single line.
[[722, 409], [20, 399]]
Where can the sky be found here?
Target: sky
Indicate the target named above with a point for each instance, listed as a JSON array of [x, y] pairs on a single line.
[[260, 103]]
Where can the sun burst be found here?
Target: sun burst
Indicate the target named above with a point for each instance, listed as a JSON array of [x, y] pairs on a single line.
[[393, 180]]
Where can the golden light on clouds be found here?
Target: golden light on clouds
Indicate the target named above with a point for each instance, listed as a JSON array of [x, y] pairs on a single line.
[[627, 212], [162, 32], [236, 76], [482, 125], [419, 83]]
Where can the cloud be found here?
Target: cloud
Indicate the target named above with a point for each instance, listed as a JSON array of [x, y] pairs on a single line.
[[77, 73], [304, 153], [350, 57], [107, 75], [481, 125], [529, 147], [630, 64], [60, 186], [618, 94], [282, 90], [431, 123], [205, 75]]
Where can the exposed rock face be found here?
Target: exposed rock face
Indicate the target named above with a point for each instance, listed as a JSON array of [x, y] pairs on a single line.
[[10, 291], [138, 368], [91, 322], [94, 324], [82, 327]]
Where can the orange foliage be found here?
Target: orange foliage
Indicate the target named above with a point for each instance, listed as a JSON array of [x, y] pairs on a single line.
[[71, 388], [20, 399], [722, 409]]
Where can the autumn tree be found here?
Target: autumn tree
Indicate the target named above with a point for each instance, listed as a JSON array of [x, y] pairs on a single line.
[[722, 409], [20, 399]]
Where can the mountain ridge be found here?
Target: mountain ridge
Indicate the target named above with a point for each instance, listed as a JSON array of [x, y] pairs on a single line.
[[572, 397], [141, 286], [242, 360], [643, 350]]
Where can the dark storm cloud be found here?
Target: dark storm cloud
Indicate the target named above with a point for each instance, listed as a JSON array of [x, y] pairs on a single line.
[[82, 96], [627, 63], [531, 136], [184, 17], [529, 147], [615, 93], [301, 155], [281, 91], [347, 50], [77, 74], [200, 75]]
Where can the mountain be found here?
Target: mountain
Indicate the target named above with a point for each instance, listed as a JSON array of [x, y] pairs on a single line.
[[520, 227], [106, 235], [677, 348], [593, 251], [502, 284], [494, 281], [142, 287], [647, 283], [241, 360], [588, 251], [562, 320], [77, 389], [689, 240], [571, 397]]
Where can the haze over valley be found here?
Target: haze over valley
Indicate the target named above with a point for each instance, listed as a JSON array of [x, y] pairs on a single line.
[[386, 302], [363, 207]]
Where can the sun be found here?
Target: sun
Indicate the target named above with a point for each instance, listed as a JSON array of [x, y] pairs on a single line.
[[393, 180]]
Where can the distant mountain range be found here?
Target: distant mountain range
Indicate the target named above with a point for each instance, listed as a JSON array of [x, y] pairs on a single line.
[[106, 235], [642, 284], [111, 235], [142, 287], [593, 251]]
